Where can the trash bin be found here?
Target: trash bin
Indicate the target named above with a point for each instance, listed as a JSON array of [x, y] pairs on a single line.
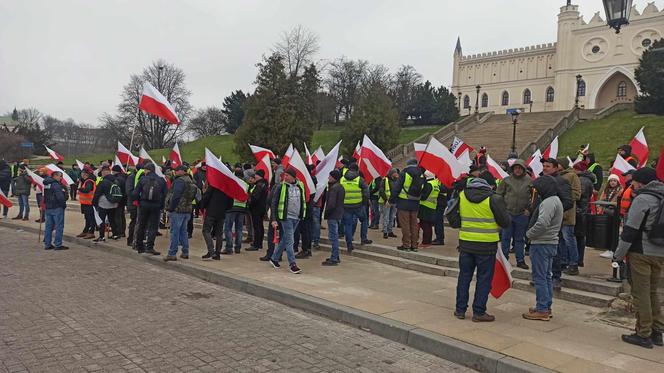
[[601, 231]]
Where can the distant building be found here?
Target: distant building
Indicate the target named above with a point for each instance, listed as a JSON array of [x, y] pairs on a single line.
[[7, 121], [70, 140], [543, 77]]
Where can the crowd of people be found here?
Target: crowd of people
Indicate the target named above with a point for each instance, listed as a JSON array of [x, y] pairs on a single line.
[[544, 217]]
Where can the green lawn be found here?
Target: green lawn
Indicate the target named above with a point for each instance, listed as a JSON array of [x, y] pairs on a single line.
[[605, 135], [224, 146]]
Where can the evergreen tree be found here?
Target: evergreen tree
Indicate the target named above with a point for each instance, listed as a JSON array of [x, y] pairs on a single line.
[[650, 76], [234, 110], [446, 110], [377, 117]]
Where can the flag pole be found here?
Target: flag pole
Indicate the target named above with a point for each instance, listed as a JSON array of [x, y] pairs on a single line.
[[41, 213], [131, 142]]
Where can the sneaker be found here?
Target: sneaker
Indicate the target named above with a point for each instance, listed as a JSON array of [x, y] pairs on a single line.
[[315, 246], [367, 242], [207, 256], [637, 340], [572, 270], [183, 256], [535, 315], [251, 248], [114, 238], [49, 247], [26, 219], [656, 338], [438, 243], [385, 236], [608, 254], [303, 255], [63, 247], [169, 258], [99, 239], [460, 315], [276, 265], [216, 257], [413, 249], [264, 258], [581, 265], [483, 318], [330, 262], [522, 265], [295, 269], [391, 235]]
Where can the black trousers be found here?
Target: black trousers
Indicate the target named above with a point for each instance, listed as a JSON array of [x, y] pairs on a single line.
[[146, 226], [259, 229], [133, 215], [303, 231], [190, 225], [72, 191], [120, 220], [89, 215], [103, 215], [213, 229]]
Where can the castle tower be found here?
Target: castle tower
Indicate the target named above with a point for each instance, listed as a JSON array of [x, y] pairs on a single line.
[[569, 19], [457, 59]]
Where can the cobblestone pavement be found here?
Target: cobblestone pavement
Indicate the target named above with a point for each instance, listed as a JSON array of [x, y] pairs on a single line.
[[85, 310]]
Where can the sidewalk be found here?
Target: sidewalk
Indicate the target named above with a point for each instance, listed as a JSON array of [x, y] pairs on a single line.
[[579, 339]]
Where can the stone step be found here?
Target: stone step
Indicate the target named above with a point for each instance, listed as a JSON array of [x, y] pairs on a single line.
[[571, 295], [573, 282]]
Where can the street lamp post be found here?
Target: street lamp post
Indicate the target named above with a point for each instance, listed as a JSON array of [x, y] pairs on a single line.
[[576, 96], [477, 99], [515, 118], [459, 103], [530, 102], [617, 13]]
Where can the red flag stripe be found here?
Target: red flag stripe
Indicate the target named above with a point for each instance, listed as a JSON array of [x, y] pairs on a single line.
[[153, 102]]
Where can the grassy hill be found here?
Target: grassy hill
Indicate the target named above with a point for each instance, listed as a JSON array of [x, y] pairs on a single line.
[[607, 134], [224, 145]]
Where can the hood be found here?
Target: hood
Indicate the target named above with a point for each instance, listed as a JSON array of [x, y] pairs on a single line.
[[589, 175], [653, 187], [546, 186], [520, 162], [477, 190], [110, 177], [49, 180], [627, 149], [350, 174]]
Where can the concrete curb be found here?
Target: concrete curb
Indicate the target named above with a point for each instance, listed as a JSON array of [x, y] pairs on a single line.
[[475, 357]]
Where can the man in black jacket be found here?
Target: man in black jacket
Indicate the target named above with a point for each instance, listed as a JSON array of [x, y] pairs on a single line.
[[334, 212], [105, 207], [55, 202], [120, 219], [150, 192], [257, 208], [215, 203]]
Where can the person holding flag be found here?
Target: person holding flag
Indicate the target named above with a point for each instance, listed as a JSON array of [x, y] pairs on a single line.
[[481, 214], [545, 223]]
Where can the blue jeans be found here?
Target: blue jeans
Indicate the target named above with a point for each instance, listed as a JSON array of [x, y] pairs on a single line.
[[541, 258], [315, 225], [270, 239], [350, 223], [237, 219], [374, 205], [389, 213], [286, 242], [24, 206], [438, 223], [516, 232], [55, 219], [179, 235], [569, 253], [467, 265], [333, 235]]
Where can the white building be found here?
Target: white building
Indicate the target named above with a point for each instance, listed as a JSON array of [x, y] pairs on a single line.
[[543, 77]]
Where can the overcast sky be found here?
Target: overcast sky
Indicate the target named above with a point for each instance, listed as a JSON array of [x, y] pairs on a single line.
[[71, 58]]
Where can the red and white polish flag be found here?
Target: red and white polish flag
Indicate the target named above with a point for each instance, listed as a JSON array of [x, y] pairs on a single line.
[[620, 166], [80, 164], [125, 156], [318, 155], [339, 164], [458, 147], [118, 163], [260, 152], [143, 155], [265, 165], [303, 175], [175, 157], [308, 157], [465, 160], [438, 160], [495, 169], [357, 153], [323, 169], [419, 150], [640, 148], [66, 180], [287, 156], [4, 200], [373, 162], [220, 177], [535, 163], [153, 102], [502, 275], [163, 160], [551, 151], [54, 155], [37, 180]]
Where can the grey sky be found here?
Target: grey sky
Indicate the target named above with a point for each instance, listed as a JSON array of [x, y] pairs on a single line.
[[71, 58]]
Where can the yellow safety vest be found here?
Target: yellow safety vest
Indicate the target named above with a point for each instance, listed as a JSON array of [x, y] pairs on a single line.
[[477, 221], [98, 180], [386, 189], [282, 201], [353, 190], [240, 204], [406, 186], [432, 201], [137, 177]]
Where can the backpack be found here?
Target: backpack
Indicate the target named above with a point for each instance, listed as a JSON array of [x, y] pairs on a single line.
[[114, 194], [453, 212], [656, 232], [416, 186], [151, 190]]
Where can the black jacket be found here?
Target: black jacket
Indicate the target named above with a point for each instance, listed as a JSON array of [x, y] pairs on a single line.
[[5, 176], [121, 181], [142, 202], [215, 203], [258, 198], [477, 191], [335, 201], [104, 188], [402, 204], [55, 196]]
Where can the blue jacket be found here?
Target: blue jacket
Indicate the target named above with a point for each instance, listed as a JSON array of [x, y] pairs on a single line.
[[142, 202], [55, 196]]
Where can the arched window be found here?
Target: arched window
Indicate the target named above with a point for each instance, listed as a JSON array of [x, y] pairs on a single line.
[[466, 102], [622, 89], [485, 100], [550, 94], [505, 99], [527, 96], [582, 88]]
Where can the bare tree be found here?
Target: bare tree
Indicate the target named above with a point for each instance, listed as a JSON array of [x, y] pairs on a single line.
[[298, 47], [151, 131], [344, 82], [210, 121], [377, 75], [29, 117]]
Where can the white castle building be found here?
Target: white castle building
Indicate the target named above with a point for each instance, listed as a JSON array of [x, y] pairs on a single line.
[[544, 77]]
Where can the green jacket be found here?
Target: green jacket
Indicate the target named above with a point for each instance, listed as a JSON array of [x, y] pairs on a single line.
[[515, 192], [569, 217], [74, 174]]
